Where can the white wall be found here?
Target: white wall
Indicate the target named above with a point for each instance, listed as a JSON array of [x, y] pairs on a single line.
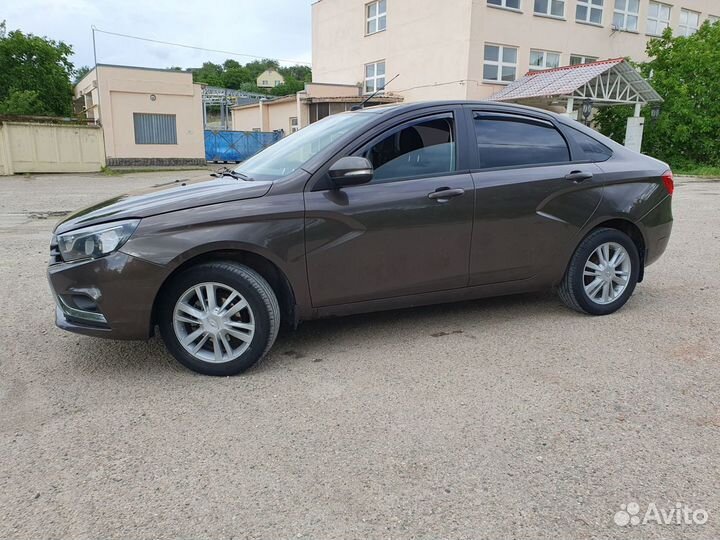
[[50, 148]]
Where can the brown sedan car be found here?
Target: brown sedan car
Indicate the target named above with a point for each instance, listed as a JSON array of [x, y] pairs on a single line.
[[381, 208]]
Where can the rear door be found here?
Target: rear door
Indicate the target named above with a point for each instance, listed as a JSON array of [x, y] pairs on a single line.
[[407, 231], [532, 195]]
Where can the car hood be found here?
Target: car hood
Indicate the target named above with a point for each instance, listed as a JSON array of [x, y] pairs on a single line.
[[163, 198]]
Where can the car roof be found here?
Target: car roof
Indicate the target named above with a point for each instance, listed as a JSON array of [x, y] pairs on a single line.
[[397, 108]]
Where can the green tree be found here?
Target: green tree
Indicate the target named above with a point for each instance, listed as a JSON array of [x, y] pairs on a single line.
[[81, 72], [23, 102], [684, 71], [291, 86], [300, 73], [209, 73], [32, 64], [232, 74]]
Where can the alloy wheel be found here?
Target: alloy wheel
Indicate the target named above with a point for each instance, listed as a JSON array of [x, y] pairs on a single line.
[[607, 273], [213, 322]]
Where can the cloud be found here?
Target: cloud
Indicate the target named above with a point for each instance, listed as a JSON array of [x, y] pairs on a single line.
[[268, 28]]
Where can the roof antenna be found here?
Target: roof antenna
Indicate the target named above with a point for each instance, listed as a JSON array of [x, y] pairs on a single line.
[[362, 105]]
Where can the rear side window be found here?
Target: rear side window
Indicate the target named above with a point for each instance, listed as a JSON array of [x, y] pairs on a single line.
[[593, 150], [516, 141], [424, 148]]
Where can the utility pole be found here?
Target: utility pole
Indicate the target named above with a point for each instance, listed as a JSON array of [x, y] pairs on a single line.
[[97, 76]]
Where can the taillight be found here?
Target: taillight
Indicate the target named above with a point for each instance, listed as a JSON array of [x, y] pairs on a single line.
[[667, 179]]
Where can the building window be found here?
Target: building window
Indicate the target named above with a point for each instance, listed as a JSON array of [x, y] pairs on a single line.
[[543, 60], [577, 59], [294, 124], [658, 18], [509, 4], [374, 77], [265, 83], [712, 19], [155, 128], [551, 8], [589, 11], [689, 22], [626, 15], [500, 63], [376, 17], [278, 83]]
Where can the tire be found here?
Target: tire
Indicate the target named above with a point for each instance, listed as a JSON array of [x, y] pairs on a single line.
[[220, 300], [572, 290]]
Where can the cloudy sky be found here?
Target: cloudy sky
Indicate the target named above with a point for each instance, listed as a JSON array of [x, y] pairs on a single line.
[[267, 28]]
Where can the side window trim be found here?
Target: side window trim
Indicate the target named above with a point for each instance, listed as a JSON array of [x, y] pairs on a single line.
[[448, 115], [573, 151]]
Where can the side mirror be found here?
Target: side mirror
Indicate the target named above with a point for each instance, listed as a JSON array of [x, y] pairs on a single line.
[[351, 171]]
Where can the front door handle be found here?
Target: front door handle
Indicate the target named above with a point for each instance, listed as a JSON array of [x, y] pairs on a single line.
[[444, 193], [578, 176]]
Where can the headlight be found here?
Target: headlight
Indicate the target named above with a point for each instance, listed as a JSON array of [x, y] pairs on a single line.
[[97, 241]]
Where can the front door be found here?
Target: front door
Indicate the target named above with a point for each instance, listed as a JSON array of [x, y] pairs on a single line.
[[406, 232]]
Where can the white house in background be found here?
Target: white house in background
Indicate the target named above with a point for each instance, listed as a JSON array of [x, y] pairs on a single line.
[[291, 113], [270, 79], [470, 49], [149, 117]]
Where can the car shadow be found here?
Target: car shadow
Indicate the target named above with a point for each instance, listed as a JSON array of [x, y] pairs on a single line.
[[148, 359]]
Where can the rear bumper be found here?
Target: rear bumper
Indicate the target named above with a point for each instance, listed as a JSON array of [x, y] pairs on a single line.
[[111, 297], [657, 226]]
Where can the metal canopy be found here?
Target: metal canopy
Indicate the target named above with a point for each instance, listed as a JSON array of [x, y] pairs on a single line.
[[607, 82], [225, 98]]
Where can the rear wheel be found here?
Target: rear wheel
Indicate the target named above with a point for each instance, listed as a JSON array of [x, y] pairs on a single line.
[[602, 273], [219, 318]]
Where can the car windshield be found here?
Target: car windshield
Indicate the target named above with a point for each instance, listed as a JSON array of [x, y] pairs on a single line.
[[292, 152]]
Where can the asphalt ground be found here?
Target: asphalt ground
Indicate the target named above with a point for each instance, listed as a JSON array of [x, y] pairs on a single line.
[[502, 418]]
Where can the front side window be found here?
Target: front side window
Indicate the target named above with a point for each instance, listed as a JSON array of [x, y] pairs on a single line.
[[689, 22], [577, 59], [507, 141], [155, 128], [500, 64], [658, 18], [511, 4], [374, 77], [553, 8], [424, 148], [589, 11], [625, 16], [375, 17], [540, 60]]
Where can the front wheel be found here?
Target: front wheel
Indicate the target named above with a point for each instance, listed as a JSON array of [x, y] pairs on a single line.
[[219, 318], [602, 273]]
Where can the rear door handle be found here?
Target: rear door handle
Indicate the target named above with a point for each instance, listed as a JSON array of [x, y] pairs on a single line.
[[445, 193], [578, 176]]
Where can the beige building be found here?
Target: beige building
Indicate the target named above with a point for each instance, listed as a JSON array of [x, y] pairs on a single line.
[[470, 49], [270, 79], [148, 116], [294, 112]]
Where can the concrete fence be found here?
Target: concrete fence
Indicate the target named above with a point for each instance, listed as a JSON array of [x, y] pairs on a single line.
[[29, 147]]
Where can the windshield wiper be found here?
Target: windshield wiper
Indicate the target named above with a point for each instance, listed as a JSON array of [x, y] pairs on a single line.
[[233, 174]]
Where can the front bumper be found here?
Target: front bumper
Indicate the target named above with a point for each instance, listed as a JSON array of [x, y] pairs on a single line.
[[110, 297]]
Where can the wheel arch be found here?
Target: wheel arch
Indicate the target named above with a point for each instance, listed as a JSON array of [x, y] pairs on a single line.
[[270, 271], [629, 228]]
